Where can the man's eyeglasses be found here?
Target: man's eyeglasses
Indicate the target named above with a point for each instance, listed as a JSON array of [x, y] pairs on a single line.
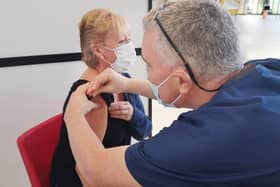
[[189, 69]]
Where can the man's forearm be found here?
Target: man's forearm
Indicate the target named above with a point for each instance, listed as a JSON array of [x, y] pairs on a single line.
[[141, 87], [84, 143], [96, 165]]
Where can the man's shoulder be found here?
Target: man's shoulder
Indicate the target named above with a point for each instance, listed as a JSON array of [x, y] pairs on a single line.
[[250, 83], [266, 61]]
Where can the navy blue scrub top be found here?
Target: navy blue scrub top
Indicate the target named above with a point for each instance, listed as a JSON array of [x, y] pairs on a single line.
[[232, 141]]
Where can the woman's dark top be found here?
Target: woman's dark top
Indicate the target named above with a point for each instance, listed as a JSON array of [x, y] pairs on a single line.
[[118, 133]]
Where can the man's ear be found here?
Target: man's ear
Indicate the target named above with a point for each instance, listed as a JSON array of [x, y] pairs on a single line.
[[185, 83]]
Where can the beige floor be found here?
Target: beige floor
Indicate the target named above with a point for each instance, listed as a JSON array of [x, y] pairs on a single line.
[[260, 38]]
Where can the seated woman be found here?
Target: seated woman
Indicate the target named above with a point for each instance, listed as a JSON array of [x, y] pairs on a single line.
[[105, 42]]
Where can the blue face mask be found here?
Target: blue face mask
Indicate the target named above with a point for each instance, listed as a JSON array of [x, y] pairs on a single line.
[[156, 93]]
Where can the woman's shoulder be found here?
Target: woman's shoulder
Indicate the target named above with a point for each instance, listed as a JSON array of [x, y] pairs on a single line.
[[78, 83], [89, 74]]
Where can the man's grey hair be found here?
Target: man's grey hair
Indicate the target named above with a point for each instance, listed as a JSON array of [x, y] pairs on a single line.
[[202, 31]]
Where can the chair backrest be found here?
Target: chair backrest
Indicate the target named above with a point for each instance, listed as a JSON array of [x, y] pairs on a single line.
[[37, 146]]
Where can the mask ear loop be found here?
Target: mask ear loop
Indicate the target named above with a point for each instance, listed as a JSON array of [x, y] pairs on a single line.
[[175, 100], [166, 79], [178, 97], [169, 76], [108, 62]]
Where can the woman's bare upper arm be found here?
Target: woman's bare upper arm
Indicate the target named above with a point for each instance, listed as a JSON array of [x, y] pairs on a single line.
[[97, 118]]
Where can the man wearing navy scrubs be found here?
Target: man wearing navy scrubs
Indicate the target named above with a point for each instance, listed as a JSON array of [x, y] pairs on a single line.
[[230, 139]]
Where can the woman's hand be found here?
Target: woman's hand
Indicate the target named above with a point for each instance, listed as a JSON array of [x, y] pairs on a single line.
[[122, 110]]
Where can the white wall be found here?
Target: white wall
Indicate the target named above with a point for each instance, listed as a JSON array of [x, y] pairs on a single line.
[[31, 94], [35, 27]]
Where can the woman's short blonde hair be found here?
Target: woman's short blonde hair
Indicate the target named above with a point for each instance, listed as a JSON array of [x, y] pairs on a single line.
[[94, 28]]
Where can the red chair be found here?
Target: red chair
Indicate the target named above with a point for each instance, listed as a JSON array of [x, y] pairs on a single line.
[[37, 146]]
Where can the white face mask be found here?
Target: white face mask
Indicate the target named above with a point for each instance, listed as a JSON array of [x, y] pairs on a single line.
[[125, 57]]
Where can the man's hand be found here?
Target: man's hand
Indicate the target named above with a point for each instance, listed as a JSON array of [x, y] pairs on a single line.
[[109, 81], [79, 103], [121, 109]]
